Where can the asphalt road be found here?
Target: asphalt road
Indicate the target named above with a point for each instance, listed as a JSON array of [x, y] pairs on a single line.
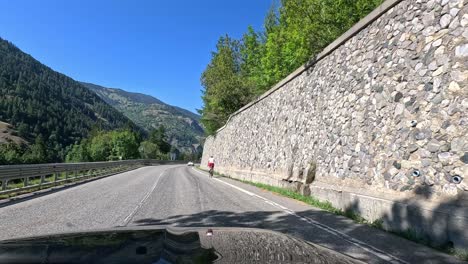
[[183, 196]]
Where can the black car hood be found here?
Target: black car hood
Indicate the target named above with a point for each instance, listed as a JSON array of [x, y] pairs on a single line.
[[167, 245]]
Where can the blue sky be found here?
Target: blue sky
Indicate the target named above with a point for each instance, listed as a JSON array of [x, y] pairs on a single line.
[[154, 47]]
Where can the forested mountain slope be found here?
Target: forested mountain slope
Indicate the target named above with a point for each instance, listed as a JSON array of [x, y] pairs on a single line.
[[182, 126], [47, 107]]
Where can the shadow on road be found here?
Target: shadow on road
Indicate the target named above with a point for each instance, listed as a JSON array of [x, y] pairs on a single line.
[[218, 218], [444, 225], [332, 231]]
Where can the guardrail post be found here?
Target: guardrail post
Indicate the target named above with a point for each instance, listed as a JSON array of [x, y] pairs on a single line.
[[4, 184], [55, 178], [26, 181], [42, 179]]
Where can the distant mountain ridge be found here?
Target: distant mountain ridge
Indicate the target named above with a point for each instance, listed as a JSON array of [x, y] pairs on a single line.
[[183, 127], [136, 97], [41, 103]]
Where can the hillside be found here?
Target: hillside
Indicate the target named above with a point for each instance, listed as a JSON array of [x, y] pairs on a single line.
[[9, 135], [182, 126], [42, 104]]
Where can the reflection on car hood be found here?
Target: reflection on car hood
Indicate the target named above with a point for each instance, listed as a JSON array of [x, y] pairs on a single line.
[[167, 245]]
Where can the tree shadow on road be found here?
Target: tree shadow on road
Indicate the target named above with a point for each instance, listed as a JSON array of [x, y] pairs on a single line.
[[332, 231], [442, 226]]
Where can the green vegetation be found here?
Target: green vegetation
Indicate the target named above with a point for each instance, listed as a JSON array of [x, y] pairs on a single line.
[[120, 145], [459, 253], [327, 206], [241, 70], [183, 128], [419, 238], [225, 89], [13, 153], [413, 235], [104, 146], [310, 200], [47, 109], [156, 147]]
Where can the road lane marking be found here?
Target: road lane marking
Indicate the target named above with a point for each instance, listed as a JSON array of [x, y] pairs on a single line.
[[358, 243], [140, 204], [233, 186]]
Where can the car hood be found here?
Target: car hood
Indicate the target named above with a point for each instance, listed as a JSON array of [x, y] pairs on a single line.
[[167, 245]]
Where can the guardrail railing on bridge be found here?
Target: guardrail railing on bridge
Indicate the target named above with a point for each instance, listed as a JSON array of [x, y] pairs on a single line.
[[19, 178]]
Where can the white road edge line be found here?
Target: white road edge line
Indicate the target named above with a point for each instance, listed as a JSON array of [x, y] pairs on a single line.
[[233, 186], [371, 249], [140, 204]]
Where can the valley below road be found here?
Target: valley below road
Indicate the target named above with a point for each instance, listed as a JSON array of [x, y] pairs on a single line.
[[175, 195]]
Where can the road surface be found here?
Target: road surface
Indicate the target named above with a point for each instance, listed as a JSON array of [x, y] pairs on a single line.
[[183, 196]]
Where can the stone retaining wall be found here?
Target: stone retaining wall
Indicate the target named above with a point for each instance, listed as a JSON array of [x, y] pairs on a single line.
[[382, 113]]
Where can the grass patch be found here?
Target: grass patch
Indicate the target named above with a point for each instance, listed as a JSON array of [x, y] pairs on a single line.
[[414, 236], [19, 192], [459, 253], [378, 224], [310, 200], [419, 238], [327, 206]]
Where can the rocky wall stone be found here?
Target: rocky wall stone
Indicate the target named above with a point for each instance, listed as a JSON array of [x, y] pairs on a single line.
[[385, 111]]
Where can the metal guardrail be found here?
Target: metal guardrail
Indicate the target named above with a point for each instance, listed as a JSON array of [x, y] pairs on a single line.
[[18, 178]]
